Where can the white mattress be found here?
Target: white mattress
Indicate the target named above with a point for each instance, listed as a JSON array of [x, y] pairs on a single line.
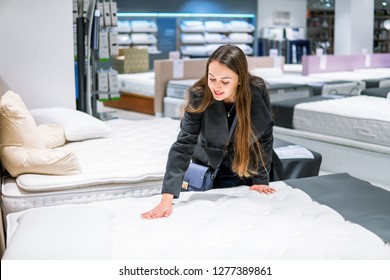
[[352, 75], [267, 72], [131, 162], [220, 224], [330, 83], [178, 88], [362, 118], [139, 83], [143, 38], [379, 70], [174, 107], [294, 78]]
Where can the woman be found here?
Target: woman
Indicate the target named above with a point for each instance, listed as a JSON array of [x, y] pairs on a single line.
[[226, 91]]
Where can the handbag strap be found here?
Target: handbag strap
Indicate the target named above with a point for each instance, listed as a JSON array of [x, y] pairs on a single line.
[[231, 130]]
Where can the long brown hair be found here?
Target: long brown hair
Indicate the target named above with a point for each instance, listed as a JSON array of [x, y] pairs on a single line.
[[247, 152]]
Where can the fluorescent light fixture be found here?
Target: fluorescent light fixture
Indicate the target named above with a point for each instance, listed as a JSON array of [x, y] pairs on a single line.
[[386, 24], [184, 15]]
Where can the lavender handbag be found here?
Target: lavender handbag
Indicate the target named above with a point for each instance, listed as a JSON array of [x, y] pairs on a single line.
[[198, 178]]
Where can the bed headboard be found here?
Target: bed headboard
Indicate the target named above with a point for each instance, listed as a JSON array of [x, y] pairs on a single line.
[[332, 63], [194, 69]]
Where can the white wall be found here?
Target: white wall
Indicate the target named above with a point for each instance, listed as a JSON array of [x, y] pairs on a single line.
[[36, 51], [296, 8], [354, 25]]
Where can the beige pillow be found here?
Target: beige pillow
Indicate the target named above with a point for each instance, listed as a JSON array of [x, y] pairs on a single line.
[[17, 126], [58, 161], [53, 135]]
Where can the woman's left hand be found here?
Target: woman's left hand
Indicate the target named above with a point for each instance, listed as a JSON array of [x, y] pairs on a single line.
[[262, 189]]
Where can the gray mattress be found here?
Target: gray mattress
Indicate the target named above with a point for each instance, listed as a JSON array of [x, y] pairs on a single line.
[[356, 200]]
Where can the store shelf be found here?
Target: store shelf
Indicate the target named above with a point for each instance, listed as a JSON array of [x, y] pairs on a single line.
[[200, 37], [381, 34], [320, 30], [195, 35], [135, 32]]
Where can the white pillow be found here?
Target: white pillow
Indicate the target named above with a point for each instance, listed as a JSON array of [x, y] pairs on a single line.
[[77, 125]]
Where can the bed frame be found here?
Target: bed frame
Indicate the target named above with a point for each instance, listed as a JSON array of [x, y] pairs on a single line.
[[164, 72], [133, 102]]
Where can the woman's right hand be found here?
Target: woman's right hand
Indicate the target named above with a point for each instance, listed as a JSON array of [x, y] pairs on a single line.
[[163, 209]]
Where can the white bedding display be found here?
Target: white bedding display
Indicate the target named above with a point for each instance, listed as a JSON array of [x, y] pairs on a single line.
[[215, 26], [221, 224], [143, 26], [192, 38], [143, 38], [138, 83], [361, 118], [129, 162], [240, 38], [192, 26], [194, 50], [240, 26], [216, 38], [178, 88]]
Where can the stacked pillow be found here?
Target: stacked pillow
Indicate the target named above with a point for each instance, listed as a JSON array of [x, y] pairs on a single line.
[[77, 125], [28, 148]]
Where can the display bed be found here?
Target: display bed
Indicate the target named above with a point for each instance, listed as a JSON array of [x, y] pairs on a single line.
[[361, 118], [233, 223], [130, 162], [177, 89], [117, 158], [352, 134], [318, 85]]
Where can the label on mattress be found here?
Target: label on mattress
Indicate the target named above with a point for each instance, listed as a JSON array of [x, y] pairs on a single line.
[[178, 68], [293, 151]]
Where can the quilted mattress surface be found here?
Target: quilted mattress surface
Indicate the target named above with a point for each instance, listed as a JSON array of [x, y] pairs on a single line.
[[362, 118], [139, 83], [131, 161], [178, 88], [232, 223]]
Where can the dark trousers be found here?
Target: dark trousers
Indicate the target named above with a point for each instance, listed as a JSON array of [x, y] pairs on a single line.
[[226, 178]]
